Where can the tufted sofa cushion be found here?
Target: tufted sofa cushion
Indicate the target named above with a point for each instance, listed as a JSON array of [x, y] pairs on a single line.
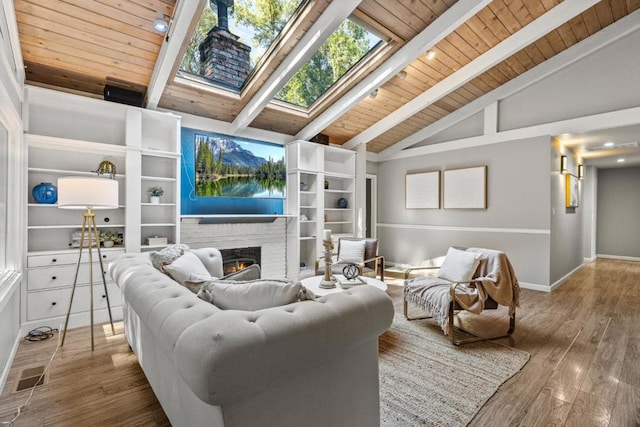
[[226, 356]]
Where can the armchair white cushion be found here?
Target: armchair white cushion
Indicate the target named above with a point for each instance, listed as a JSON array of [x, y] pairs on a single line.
[[352, 251], [459, 266]]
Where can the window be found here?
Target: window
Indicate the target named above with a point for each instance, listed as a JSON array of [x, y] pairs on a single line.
[[229, 43], [346, 47]]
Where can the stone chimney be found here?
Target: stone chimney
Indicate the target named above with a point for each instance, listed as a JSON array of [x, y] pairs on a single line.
[[224, 59]]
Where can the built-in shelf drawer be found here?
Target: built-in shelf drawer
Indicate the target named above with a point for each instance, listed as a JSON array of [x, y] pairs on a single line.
[[53, 259], [62, 276], [55, 302]]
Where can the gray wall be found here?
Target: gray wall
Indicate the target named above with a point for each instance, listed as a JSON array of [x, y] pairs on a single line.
[[471, 126], [618, 210], [566, 223], [595, 84], [516, 220]]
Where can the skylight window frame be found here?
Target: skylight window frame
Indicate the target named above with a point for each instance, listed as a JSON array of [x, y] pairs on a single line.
[[371, 59], [288, 31]]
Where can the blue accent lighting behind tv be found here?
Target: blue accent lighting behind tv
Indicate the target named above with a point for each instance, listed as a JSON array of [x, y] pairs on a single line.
[[228, 175]]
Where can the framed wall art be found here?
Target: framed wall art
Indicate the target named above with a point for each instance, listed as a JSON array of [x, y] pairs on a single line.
[[465, 188], [572, 194], [422, 190]]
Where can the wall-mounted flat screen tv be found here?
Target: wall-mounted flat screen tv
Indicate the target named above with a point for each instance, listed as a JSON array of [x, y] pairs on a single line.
[[230, 175]]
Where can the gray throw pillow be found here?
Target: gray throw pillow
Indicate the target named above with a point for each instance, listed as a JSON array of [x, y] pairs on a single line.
[[196, 280], [251, 295], [167, 255]]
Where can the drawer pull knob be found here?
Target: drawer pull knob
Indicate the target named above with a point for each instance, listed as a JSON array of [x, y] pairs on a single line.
[[104, 256], [54, 260], [54, 278], [104, 296], [54, 303]]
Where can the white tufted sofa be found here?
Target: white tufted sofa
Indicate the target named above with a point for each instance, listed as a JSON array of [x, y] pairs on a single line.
[[311, 363]]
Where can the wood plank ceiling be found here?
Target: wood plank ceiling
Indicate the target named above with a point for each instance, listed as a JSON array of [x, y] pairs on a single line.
[[79, 45]]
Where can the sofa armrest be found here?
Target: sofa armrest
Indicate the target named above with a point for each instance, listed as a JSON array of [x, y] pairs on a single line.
[[234, 354]]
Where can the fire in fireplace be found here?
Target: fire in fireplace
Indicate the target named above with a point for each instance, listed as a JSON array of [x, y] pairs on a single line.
[[238, 258]]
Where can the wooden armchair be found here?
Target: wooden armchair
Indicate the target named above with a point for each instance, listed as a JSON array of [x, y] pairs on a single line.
[[483, 282], [368, 263]]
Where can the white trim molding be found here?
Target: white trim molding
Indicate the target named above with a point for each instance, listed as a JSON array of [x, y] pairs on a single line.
[[564, 278], [469, 229]]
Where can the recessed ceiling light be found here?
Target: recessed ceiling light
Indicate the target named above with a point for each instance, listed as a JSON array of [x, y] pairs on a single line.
[[620, 160], [609, 144], [430, 54]]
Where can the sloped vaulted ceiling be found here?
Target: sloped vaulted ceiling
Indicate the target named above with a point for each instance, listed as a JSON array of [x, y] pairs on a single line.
[[81, 45]]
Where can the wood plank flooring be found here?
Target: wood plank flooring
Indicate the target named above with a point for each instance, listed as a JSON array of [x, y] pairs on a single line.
[[584, 341]]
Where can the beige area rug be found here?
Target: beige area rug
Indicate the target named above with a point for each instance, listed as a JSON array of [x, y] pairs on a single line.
[[427, 381]]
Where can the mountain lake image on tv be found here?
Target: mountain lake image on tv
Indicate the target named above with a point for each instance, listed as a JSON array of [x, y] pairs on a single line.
[[230, 175], [228, 166]]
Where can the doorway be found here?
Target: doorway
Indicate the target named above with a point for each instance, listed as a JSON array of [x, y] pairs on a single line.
[[371, 220]]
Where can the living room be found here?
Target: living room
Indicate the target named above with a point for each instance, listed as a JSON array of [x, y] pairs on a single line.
[[529, 129]]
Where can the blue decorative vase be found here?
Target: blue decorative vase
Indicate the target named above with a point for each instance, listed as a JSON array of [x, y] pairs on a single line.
[[45, 192], [342, 203]]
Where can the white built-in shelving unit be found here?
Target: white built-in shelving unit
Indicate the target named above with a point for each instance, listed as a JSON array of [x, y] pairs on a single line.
[[318, 176], [69, 135]]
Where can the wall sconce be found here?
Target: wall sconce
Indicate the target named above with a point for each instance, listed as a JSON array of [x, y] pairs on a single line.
[[580, 171], [564, 164], [373, 94]]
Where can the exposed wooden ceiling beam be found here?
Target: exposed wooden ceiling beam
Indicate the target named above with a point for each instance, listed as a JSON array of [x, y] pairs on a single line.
[[455, 16], [185, 17], [527, 35], [326, 24], [586, 47]]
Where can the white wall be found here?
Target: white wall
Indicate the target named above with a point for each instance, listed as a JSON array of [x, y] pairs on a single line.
[[566, 223], [11, 92], [516, 219]]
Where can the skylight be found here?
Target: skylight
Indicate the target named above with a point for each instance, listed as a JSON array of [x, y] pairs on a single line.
[[225, 53], [345, 48]]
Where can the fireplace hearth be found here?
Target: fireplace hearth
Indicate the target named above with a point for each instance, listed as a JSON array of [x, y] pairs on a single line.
[[238, 258]]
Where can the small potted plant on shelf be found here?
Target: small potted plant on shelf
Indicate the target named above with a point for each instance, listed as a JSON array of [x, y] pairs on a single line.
[[155, 193], [110, 238]]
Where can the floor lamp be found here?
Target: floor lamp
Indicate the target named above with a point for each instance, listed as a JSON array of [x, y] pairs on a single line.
[[88, 193]]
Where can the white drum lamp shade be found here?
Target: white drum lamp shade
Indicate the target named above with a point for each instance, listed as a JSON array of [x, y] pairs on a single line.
[[75, 192]]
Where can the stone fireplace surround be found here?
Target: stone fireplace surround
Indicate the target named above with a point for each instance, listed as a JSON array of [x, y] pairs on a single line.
[[268, 233]]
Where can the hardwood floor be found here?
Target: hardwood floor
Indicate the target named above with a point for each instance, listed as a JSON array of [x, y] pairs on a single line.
[[584, 341]]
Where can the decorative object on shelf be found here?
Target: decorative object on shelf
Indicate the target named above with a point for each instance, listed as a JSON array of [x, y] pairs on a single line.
[[326, 184], [304, 187], [110, 238], [156, 241], [342, 203], [328, 282], [107, 168], [350, 271], [303, 217], [45, 193], [88, 193], [155, 193]]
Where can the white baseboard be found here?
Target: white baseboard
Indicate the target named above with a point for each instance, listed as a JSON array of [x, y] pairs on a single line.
[[535, 287], [590, 259], [7, 367], [620, 257], [565, 277]]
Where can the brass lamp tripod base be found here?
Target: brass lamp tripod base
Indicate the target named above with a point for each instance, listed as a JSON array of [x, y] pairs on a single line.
[[89, 226]]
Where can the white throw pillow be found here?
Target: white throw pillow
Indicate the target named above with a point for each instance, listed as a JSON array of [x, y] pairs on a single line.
[[184, 267], [352, 251], [459, 266], [250, 295]]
